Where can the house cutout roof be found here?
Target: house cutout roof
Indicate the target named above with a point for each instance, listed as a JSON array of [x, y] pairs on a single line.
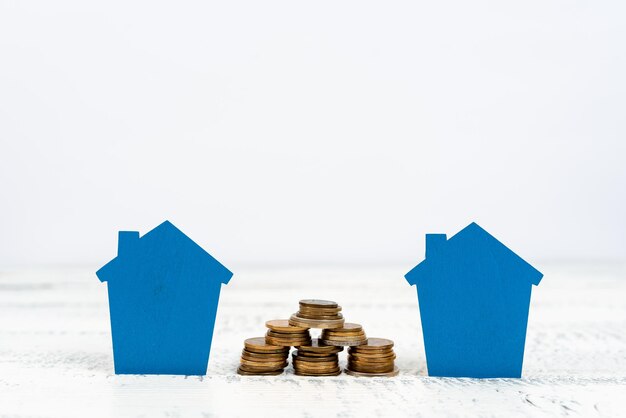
[[471, 235], [132, 248]]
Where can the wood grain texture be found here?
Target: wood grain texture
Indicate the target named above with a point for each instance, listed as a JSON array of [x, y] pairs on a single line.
[[56, 356]]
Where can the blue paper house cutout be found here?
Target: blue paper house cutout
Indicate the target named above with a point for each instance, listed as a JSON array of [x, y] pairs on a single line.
[[474, 295], [163, 295]]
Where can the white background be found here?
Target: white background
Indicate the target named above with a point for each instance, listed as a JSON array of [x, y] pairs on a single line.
[[312, 132]]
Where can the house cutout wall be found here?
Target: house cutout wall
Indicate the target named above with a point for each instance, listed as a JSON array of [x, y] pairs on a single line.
[[163, 295], [474, 296]]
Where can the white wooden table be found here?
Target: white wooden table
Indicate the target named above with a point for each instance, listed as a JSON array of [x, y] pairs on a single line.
[[56, 357]]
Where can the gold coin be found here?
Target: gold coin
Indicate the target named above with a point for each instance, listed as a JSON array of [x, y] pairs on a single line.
[[368, 355], [320, 311], [318, 371], [348, 343], [263, 357], [263, 364], [378, 363], [258, 345], [314, 323], [363, 369], [282, 325], [372, 371], [330, 337], [372, 359], [335, 373], [260, 369], [320, 307], [369, 369], [319, 317], [315, 365], [348, 327], [370, 352], [377, 344], [319, 303], [303, 338], [319, 361], [336, 332], [285, 335], [318, 355], [290, 341], [315, 346], [309, 359], [315, 355], [326, 339], [264, 360], [293, 335], [339, 337], [395, 372], [247, 373], [331, 357], [379, 358], [283, 343], [316, 361], [378, 355]]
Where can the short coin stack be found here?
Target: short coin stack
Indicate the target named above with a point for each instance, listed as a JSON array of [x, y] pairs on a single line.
[[348, 335], [315, 313], [282, 334], [376, 358], [259, 358], [316, 359]]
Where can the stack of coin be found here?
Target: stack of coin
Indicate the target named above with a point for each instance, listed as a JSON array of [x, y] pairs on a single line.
[[348, 335], [316, 359], [259, 358], [314, 313], [376, 358], [282, 334]]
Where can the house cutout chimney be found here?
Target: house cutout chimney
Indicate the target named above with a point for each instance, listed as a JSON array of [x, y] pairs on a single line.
[[163, 293], [126, 241], [434, 242]]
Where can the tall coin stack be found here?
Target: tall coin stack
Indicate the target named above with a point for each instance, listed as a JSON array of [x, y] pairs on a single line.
[[259, 358], [316, 359], [376, 358]]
